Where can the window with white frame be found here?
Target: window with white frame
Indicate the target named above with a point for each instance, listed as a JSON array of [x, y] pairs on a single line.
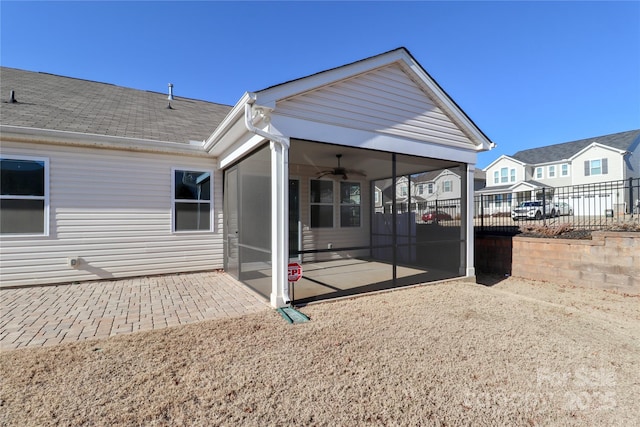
[[191, 200], [24, 195], [564, 170], [403, 190], [496, 177], [513, 175], [350, 200], [551, 171], [430, 188], [498, 200], [447, 186], [539, 173], [596, 167], [504, 175], [420, 189], [321, 203]]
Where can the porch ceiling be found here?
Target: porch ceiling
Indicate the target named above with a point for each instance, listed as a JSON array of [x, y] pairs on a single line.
[[375, 164]]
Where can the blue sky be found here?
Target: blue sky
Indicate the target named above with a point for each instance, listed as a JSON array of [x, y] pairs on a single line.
[[527, 73]]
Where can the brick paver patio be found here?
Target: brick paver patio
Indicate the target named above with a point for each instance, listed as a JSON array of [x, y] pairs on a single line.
[[49, 315]]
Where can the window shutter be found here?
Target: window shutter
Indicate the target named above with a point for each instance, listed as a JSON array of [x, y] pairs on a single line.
[[605, 166], [587, 168]]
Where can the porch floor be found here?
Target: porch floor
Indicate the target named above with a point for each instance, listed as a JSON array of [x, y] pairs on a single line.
[[339, 278]]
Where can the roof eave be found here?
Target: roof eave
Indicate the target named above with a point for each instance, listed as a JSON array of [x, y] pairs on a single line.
[[216, 142], [58, 137]]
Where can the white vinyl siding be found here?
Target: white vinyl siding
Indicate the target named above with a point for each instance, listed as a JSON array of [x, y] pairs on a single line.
[[111, 209], [385, 100], [504, 171]]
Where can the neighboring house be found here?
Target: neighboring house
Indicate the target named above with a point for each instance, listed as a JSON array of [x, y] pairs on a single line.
[[441, 189], [100, 181], [523, 176]]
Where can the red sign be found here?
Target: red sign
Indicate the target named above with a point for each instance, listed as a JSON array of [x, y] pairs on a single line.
[[295, 272]]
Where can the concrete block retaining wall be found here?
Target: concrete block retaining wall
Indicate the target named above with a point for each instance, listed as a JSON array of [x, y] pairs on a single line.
[[611, 260]]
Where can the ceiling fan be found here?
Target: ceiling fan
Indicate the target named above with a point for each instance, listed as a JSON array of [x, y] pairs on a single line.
[[340, 171]]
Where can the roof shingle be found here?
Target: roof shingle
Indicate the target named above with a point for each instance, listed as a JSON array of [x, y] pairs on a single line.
[[557, 152], [52, 102]]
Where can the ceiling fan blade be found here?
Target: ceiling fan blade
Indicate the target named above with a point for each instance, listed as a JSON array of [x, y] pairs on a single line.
[[324, 173]]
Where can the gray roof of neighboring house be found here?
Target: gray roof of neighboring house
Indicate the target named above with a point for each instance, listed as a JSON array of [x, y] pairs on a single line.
[[556, 152], [52, 102], [507, 187]]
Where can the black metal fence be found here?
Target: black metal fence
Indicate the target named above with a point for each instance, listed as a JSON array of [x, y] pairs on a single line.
[[589, 207]]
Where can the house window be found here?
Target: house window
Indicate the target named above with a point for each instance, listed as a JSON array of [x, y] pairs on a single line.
[[377, 197], [321, 203], [551, 171], [24, 195], [564, 170], [191, 200], [496, 177], [538, 173], [504, 178], [596, 167], [430, 188], [513, 175], [420, 189], [350, 204], [446, 187], [498, 200], [403, 190]]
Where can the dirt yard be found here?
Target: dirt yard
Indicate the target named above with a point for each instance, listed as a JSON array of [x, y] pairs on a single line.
[[515, 353]]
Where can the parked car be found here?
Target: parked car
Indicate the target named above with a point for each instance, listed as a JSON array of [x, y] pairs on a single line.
[[533, 210], [436, 216], [563, 209]]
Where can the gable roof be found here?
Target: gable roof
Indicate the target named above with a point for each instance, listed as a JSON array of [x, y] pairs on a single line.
[[408, 68], [53, 102], [503, 157], [552, 153]]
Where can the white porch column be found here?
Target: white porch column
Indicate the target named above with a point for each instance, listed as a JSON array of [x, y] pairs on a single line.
[[468, 228], [279, 224]]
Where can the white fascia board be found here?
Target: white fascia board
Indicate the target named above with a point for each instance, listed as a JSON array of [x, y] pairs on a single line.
[[502, 157], [596, 145], [524, 184], [228, 123], [322, 132], [79, 139]]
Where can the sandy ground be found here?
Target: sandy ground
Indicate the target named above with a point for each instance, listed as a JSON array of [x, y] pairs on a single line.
[[515, 353]]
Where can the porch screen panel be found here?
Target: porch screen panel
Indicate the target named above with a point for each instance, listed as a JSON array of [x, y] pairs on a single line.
[[255, 212], [429, 224]]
